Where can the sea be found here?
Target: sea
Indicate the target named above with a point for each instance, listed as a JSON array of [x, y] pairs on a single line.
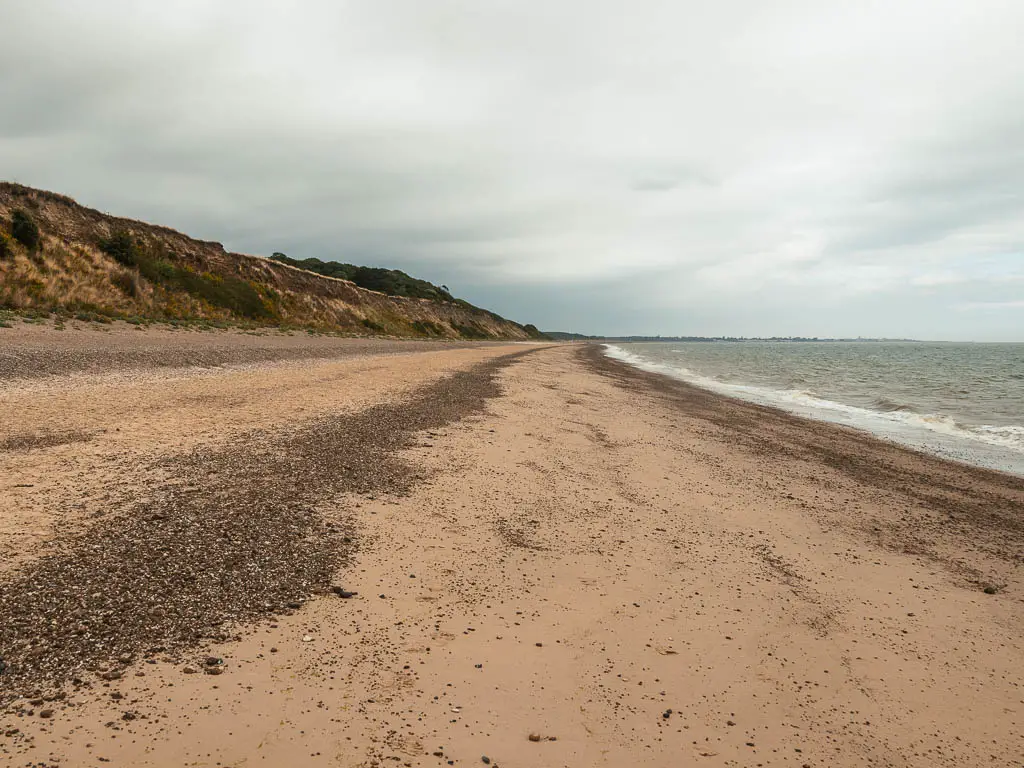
[[961, 401]]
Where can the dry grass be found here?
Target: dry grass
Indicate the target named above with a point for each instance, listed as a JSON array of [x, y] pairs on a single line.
[[70, 274]]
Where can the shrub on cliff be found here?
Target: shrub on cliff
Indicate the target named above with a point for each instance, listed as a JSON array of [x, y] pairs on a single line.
[[471, 331], [393, 282], [227, 292], [24, 229], [121, 247]]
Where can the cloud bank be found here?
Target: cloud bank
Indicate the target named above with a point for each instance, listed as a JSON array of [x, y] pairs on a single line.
[[745, 168]]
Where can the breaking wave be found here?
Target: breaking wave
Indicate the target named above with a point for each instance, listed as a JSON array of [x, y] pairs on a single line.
[[896, 421]]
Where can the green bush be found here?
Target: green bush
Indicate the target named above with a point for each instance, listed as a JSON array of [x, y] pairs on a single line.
[[471, 331], [393, 282], [6, 246], [121, 247], [157, 270], [24, 229], [427, 328], [230, 293]]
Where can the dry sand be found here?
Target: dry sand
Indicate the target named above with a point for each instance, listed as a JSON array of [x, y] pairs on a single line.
[[631, 570]]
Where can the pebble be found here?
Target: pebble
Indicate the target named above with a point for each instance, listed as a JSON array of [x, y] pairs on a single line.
[[158, 577]]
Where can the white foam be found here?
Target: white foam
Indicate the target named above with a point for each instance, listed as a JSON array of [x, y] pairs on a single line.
[[998, 447]]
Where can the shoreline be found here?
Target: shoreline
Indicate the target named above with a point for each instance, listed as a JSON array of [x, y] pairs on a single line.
[[967, 444], [632, 569], [984, 503]]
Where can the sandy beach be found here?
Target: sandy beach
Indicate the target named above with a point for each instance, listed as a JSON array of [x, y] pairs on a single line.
[[362, 553]]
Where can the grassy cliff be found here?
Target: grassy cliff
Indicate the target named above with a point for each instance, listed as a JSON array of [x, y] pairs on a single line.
[[57, 256]]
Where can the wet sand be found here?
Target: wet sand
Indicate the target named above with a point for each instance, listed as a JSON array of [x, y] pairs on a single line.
[[631, 570]]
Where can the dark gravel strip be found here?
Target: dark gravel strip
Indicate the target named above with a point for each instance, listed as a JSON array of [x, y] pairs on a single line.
[[234, 537], [58, 353]]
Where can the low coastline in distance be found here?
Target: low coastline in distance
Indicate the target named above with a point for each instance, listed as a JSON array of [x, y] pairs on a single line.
[[567, 336]]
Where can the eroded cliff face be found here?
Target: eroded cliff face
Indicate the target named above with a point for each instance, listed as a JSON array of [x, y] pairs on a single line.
[[159, 274]]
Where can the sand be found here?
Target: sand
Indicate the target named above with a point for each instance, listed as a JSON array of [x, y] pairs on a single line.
[[630, 570]]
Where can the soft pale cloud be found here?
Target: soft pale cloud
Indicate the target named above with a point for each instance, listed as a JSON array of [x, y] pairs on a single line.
[[806, 167], [990, 305]]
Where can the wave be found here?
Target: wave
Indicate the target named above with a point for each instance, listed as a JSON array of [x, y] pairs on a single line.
[[886, 405], [894, 420]]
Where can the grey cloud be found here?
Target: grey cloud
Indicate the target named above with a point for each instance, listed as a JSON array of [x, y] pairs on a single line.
[[746, 168]]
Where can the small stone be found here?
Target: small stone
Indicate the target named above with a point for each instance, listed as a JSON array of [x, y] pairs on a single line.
[[213, 661], [273, 650], [46, 714], [534, 737], [485, 760], [729, 722], [307, 639], [295, 605], [539, 645], [214, 670], [342, 592], [667, 714], [189, 670]]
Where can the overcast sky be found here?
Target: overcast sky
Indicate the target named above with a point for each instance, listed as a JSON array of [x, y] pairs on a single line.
[[740, 167]]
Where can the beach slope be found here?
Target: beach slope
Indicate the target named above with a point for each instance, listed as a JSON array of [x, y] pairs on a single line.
[[558, 561]]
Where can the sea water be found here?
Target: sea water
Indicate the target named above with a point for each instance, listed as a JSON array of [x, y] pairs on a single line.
[[956, 400]]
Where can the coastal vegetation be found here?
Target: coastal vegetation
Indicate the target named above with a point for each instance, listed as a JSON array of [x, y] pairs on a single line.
[[393, 282], [58, 258]]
